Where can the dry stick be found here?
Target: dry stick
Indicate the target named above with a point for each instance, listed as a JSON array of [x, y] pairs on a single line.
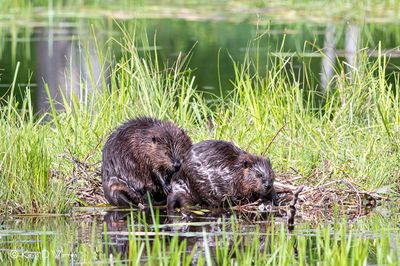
[[294, 179], [91, 154], [348, 183], [321, 186], [86, 170], [322, 181], [295, 170], [273, 139], [83, 166], [292, 208], [241, 207], [278, 184]]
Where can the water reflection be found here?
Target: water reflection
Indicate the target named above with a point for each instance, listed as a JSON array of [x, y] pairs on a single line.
[[351, 45], [203, 234], [328, 61], [69, 69], [106, 232], [60, 55], [116, 244], [351, 40]]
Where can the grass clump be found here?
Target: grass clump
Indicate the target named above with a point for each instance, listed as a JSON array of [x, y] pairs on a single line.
[[227, 241], [351, 132], [35, 151]]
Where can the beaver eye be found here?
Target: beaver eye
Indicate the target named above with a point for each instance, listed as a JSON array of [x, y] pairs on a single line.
[[245, 164], [153, 139]]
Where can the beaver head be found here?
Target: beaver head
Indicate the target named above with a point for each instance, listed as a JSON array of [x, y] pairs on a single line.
[[166, 146], [254, 177]]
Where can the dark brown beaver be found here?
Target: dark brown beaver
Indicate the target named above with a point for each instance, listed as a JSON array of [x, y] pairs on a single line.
[[216, 171], [141, 156]]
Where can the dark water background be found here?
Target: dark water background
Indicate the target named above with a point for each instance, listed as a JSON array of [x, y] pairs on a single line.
[[47, 54]]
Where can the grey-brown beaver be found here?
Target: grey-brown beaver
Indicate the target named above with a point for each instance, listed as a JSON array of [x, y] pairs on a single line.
[[140, 157], [216, 171]]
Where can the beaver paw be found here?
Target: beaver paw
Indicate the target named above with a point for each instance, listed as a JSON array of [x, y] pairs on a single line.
[[167, 189]]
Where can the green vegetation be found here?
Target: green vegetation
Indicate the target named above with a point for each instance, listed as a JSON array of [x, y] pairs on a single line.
[[228, 241], [48, 162], [19, 18], [325, 10], [351, 132]]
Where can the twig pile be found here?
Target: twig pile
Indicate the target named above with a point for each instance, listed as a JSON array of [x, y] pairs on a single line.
[[85, 182], [323, 201], [307, 202]]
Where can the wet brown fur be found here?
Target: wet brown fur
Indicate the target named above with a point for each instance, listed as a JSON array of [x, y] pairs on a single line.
[[218, 171], [141, 156]]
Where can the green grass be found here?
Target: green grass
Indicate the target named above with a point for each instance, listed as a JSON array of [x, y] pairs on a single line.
[[370, 10], [351, 133], [265, 243]]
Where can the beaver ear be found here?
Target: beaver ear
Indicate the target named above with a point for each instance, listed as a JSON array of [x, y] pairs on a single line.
[[153, 139], [246, 163]]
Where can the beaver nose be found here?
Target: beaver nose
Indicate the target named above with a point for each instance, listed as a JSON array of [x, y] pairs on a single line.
[[176, 165], [268, 184]]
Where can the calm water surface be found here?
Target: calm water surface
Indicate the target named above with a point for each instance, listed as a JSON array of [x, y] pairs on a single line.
[[57, 55], [107, 230]]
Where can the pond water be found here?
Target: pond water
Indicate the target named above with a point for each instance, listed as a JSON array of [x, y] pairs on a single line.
[[112, 234], [59, 55]]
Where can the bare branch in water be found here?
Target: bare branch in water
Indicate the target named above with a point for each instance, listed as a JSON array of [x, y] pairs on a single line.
[[292, 208]]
